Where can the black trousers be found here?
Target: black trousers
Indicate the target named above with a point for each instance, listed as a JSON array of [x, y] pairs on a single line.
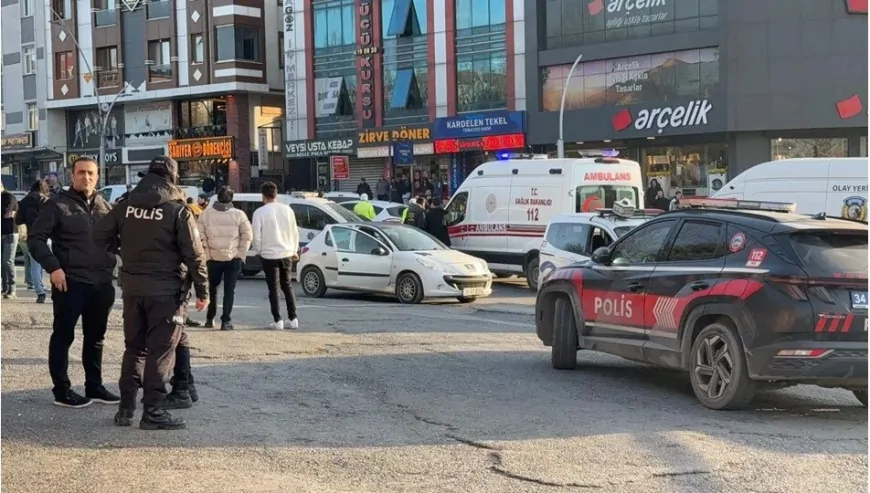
[[152, 329], [278, 279], [92, 303], [229, 273], [182, 376]]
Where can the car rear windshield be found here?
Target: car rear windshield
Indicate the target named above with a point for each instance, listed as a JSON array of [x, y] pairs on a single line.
[[397, 210], [828, 254], [344, 213]]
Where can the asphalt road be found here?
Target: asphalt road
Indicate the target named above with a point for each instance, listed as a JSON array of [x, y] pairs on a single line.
[[372, 396]]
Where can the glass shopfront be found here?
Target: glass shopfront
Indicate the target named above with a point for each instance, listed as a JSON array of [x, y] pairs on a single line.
[[797, 148], [692, 169]]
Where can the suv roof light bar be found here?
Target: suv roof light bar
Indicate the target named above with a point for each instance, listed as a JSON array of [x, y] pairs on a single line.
[[733, 204], [635, 214]]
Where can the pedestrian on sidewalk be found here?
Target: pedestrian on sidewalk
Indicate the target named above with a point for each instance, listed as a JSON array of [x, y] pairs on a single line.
[[226, 236], [276, 240], [8, 241], [81, 282], [160, 245], [28, 211]]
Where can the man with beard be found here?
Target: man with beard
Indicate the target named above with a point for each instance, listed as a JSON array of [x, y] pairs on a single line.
[[161, 245]]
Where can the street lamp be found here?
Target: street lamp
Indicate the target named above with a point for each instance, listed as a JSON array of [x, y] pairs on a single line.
[[104, 109], [560, 144]]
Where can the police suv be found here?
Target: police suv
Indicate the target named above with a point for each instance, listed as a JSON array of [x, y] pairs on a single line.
[[571, 238], [742, 295]]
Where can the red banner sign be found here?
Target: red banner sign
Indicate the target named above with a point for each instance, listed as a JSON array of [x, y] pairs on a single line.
[[340, 167], [487, 143]]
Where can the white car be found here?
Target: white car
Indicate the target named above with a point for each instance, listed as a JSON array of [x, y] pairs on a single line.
[[385, 212], [312, 215], [571, 238], [390, 258], [339, 197]]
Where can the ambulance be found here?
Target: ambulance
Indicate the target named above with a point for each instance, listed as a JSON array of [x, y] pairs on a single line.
[[501, 211]]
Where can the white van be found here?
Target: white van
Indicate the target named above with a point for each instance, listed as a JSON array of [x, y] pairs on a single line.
[[835, 186], [312, 215], [500, 212], [114, 192]]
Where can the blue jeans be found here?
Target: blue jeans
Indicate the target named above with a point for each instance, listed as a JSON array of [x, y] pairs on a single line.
[[28, 263], [9, 244], [35, 271]]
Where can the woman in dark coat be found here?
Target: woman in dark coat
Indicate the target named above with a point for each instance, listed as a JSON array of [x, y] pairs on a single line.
[[28, 210]]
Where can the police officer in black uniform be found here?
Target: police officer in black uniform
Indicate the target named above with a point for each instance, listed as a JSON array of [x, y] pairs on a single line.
[[183, 393], [161, 246]]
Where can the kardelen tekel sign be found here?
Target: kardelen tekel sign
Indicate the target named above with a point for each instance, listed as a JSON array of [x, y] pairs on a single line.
[[480, 124]]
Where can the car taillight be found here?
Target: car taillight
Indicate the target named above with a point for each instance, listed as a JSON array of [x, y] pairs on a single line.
[[802, 353], [304, 249], [793, 287]]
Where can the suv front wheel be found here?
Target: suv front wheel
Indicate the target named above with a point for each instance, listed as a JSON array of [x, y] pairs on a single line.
[[718, 370]]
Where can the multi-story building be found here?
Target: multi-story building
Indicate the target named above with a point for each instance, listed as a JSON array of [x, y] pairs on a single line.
[[698, 90], [28, 129], [437, 84], [197, 80]]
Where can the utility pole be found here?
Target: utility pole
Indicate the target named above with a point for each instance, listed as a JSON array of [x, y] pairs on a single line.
[[103, 109]]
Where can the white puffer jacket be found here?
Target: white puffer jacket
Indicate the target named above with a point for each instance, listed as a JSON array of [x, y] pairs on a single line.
[[226, 232]]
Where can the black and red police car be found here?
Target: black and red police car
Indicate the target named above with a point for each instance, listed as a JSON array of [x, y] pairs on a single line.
[[742, 295]]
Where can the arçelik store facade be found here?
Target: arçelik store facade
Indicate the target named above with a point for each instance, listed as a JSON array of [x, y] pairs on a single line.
[[697, 91]]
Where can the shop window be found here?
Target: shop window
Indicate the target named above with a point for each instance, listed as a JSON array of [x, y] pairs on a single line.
[[633, 80], [573, 23], [686, 168], [481, 81], [796, 148], [334, 24], [479, 13]]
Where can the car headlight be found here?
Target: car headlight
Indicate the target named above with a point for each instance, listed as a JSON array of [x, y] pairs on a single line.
[[483, 265], [430, 264]]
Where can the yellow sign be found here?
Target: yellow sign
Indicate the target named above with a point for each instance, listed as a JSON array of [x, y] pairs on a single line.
[[208, 148], [381, 137]]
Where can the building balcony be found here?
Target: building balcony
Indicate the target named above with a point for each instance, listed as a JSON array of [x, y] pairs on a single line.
[[158, 9], [108, 17], [200, 132], [108, 78]]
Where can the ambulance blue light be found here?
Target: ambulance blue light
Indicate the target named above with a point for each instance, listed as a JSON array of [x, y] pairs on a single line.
[[503, 156]]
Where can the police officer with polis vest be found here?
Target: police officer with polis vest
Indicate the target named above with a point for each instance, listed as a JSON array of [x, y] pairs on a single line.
[[160, 247]]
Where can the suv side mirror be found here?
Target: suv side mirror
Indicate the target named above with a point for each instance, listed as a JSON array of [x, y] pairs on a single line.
[[601, 255], [379, 251]]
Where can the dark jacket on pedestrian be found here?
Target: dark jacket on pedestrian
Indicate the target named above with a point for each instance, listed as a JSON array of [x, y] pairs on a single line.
[[364, 188], [67, 219], [29, 207], [395, 192], [436, 224], [416, 216], [159, 241], [9, 207]]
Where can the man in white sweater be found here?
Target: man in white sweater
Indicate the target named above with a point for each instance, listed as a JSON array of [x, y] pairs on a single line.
[[276, 240]]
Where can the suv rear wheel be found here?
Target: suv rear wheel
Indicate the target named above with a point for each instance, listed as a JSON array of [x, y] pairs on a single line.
[[564, 350], [531, 270], [717, 368]]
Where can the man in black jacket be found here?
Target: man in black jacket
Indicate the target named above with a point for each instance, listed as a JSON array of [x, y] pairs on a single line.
[[81, 279], [436, 225], [28, 211], [415, 214], [160, 246], [9, 242]]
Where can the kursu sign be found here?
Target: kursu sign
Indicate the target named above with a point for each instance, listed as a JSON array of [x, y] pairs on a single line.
[[209, 148], [365, 65]]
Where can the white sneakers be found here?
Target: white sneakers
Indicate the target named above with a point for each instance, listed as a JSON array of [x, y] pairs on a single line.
[[279, 325]]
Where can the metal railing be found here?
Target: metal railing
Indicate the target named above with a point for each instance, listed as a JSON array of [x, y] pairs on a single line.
[[106, 17], [109, 78], [158, 9], [160, 73]]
